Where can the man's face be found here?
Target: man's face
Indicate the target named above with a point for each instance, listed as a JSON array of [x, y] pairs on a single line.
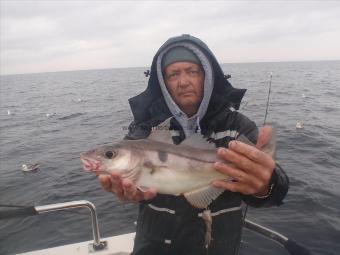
[[185, 82]]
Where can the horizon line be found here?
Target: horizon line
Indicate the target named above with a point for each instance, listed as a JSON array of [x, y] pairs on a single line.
[[107, 68]]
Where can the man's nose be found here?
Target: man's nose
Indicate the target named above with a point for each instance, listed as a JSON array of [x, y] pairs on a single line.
[[183, 80]]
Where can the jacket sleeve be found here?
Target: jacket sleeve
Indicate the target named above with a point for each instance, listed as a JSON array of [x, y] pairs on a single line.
[[279, 182]]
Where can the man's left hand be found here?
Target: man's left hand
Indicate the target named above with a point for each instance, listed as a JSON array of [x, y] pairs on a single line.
[[251, 169]]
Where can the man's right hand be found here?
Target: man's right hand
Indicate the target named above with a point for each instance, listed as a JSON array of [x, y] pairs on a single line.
[[125, 189]]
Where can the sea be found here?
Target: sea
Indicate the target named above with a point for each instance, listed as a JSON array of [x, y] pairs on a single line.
[[50, 118]]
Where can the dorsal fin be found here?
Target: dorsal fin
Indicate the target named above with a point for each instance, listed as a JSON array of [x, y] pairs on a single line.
[[198, 141], [161, 132]]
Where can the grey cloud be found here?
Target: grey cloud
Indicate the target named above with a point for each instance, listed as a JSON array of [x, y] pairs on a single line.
[[113, 33]]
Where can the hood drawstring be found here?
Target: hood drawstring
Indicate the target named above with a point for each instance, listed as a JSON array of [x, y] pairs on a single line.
[[198, 125]]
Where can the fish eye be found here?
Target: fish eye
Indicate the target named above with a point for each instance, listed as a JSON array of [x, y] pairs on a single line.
[[109, 154]]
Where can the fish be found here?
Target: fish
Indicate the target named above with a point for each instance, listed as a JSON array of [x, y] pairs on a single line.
[[186, 169]]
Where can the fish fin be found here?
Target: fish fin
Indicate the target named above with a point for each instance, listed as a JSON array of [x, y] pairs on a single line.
[[244, 139], [142, 188], [161, 133], [202, 197], [269, 148], [198, 141]]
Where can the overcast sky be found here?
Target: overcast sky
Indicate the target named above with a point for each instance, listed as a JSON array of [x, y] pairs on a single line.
[[41, 36]]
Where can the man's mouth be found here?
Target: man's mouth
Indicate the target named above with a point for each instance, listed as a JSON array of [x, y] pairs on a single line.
[[187, 93]]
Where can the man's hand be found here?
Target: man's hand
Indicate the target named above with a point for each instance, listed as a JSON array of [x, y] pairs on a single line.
[[251, 168], [125, 189]]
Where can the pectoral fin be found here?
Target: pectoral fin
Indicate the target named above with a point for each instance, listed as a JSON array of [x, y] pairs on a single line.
[[142, 188], [202, 197]]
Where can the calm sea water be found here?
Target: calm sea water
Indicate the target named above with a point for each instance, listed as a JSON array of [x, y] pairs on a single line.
[[51, 117]]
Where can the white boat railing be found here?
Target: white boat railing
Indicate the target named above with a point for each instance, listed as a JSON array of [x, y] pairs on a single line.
[[291, 246], [97, 245]]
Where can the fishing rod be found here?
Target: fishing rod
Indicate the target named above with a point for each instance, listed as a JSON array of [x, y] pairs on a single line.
[[265, 118], [269, 91], [290, 245], [264, 123]]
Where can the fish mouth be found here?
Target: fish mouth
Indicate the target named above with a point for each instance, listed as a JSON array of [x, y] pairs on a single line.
[[90, 165]]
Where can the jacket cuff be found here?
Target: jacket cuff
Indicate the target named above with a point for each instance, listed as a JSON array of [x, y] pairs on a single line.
[[279, 187]]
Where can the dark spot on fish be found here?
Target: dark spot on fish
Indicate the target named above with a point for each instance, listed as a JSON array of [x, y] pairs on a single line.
[[109, 154], [163, 156], [149, 165]]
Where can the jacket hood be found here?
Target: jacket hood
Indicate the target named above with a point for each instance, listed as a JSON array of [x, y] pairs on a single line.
[[188, 124], [150, 106]]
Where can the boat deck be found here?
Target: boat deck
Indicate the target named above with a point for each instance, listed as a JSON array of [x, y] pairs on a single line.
[[116, 245]]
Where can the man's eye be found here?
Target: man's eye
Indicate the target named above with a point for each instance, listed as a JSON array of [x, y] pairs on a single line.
[[193, 72], [173, 75]]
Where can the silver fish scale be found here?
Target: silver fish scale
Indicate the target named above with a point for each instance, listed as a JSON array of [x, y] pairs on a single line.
[[204, 155]]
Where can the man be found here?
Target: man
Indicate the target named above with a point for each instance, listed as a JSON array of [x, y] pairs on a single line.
[[187, 84]]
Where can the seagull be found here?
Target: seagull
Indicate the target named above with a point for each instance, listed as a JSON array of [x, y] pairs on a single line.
[[299, 125], [29, 167], [50, 114]]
